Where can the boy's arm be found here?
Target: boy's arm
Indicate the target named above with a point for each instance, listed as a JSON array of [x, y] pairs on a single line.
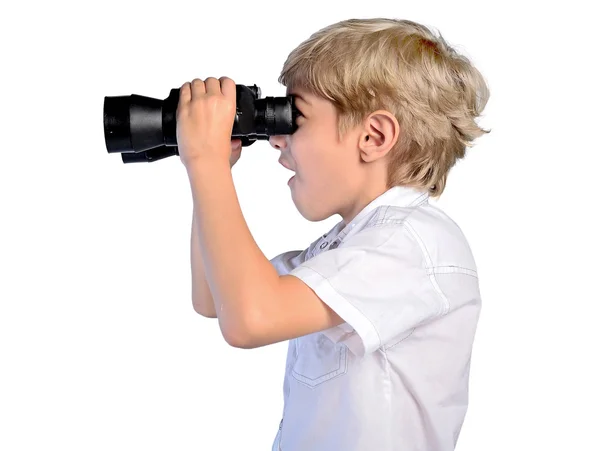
[[254, 305], [202, 299]]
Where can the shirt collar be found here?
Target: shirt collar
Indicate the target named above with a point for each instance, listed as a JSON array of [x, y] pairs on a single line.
[[396, 196]]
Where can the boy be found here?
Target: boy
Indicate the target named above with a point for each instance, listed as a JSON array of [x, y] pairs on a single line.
[[381, 311]]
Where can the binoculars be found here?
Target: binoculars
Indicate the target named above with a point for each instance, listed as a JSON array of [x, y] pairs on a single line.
[[143, 129]]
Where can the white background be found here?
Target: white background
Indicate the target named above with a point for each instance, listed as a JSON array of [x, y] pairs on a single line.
[[100, 348]]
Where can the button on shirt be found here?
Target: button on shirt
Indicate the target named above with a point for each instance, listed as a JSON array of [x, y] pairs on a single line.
[[394, 376]]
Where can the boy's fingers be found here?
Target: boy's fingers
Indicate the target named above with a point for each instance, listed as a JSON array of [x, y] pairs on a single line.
[[228, 87], [185, 93]]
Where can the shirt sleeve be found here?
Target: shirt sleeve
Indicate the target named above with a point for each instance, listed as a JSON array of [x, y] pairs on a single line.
[[287, 261], [377, 282]]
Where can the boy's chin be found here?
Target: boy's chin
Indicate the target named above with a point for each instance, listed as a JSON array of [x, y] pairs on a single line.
[[312, 215]]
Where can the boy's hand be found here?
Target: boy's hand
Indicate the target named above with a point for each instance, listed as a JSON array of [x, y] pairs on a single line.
[[205, 116]]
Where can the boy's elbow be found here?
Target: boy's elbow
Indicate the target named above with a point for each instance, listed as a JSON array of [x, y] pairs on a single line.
[[240, 336], [202, 312], [238, 341], [241, 344], [206, 315]]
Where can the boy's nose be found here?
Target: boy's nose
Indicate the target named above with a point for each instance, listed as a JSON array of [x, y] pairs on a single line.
[[278, 142]]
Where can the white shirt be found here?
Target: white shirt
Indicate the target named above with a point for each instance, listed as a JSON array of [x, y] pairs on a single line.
[[395, 375]]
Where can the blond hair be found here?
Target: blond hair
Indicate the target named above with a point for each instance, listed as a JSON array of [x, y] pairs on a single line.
[[362, 65]]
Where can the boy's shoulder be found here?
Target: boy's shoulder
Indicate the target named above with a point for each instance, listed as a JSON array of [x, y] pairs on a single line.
[[423, 230]]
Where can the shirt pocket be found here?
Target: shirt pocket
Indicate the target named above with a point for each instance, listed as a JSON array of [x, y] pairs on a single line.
[[318, 360]]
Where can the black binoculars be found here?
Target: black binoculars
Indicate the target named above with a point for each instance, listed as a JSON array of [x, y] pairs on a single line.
[[143, 129]]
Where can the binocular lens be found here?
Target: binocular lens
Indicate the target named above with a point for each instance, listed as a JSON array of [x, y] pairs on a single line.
[[116, 124]]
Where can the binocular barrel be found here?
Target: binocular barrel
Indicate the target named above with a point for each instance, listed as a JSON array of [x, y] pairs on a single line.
[[143, 129]]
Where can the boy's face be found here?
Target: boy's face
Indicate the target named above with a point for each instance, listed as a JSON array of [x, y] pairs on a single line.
[[327, 171]]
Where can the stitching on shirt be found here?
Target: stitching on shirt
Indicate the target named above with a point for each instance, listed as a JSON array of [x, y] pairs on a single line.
[[429, 265], [401, 340], [386, 222], [419, 200], [378, 216], [449, 269], [394, 221], [389, 397]]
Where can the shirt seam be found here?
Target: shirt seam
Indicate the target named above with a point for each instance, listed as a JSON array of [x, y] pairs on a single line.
[[390, 346], [451, 269], [389, 400], [429, 266]]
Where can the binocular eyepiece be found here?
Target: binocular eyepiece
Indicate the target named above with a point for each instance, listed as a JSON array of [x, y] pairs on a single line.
[[143, 129]]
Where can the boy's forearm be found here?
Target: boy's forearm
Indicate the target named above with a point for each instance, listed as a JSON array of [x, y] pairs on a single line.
[[238, 273], [201, 296]]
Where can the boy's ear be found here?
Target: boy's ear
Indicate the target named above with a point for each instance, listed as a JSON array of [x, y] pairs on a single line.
[[381, 131]]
